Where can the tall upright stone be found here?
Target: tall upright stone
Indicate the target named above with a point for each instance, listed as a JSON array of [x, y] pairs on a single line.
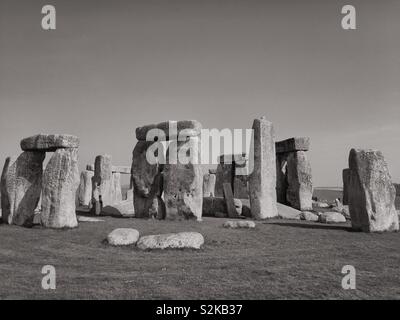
[[299, 191], [146, 180], [60, 182], [346, 180], [209, 184], [371, 192], [103, 179], [21, 183], [262, 179], [183, 181], [85, 189]]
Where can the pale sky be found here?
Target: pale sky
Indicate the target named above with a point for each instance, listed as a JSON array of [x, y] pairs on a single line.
[[111, 66]]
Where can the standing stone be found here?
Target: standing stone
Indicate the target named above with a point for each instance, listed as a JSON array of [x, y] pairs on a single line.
[[371, 193], [241, 182], [281, 177], [209, 185], [60, 181], [224, 175], [299, 191], [183, 183], [147, 182], [103, 180], [116, 192], [21, 182], [346, 179], [262, 180], [85, 189]]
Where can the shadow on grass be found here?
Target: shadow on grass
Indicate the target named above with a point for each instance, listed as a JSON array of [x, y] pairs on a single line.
[[312, 226]]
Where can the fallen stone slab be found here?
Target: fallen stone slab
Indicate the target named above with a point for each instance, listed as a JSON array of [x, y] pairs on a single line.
[[124, 209], [49, 142], [309, 216], [286, 212], [192, 129], [239, 224], [213, 205], [331, 217], [293, 145], [88, 219], [182, 240], [123, 237]]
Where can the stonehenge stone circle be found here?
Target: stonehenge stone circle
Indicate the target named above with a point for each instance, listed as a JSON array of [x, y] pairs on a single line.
[[294, 177], [183, 182], [147, 183], [262, 180], [60, 182], [371, 193], [49, 142], [21, 184]]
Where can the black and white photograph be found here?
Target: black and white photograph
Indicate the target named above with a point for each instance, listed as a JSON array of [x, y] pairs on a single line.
[[216, 152]]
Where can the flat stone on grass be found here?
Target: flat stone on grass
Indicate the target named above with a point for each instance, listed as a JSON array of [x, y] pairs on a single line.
[[181, 240], [123, 237], [239, 224]]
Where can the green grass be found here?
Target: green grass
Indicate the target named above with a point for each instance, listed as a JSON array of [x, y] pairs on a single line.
[[279, 259]]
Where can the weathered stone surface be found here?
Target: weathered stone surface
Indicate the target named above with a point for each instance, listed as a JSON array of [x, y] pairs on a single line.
[[281, 177], [60, 182], [170, 130], [121, 169], [230, 204], [147, 183], [85, 190], [209, 185], [124, 209], [299, 191], [116, 192], [123, 237], [331, 217], [309, 216], [88, 219], [224, 175], [49, 142], [103, 180], [320, 204], [241, 186], [192, 240], [239, 224], [371, 192], [346, 180], [212, 171], [212, 205], [21, 182], [90, 167], [129, 195], [262, 180], [286, 212], [183, 183], [293, 145]]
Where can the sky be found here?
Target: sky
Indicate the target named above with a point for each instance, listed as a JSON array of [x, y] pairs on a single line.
[[111, 66]]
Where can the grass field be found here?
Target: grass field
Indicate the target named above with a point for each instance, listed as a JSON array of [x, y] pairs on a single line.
[[278, 259]]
